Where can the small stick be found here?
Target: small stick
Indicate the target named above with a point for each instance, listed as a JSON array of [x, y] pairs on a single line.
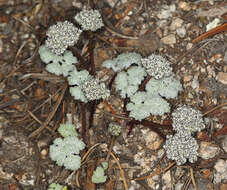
[[84, 127], [121, 171], [193, 179], [212, 32], [51, 115], [156, 172], [129, 8], [219, 106], [112, 110]]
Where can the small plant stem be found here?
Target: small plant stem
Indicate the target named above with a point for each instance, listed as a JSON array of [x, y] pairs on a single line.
[[84, 127], [110, 148], [113, 111], [91, 46], [91, 117]]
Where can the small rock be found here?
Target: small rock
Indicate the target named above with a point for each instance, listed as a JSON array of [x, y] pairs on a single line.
[[1, 46], [187, 78], [208, 150], [176, 23], [44, 152], [222, 77], [220, 166], [181, 32], [189, 46], [167, 178], [184, 6], [1, 133], [212, 24], [164, 14], [179, 186], [169, 40], [172, 8], [77, 4], [195, 83], [224, 144], [225, 57], [153, 141], [221, 171], [111, 2], [167, 12]]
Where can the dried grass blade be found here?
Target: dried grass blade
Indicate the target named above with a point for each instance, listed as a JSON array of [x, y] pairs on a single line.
[[51, 115]]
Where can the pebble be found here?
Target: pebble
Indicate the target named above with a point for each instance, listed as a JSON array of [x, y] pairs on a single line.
[[212, 24], [167, 178], [189, 46], [208, 150], [195, 83], [153, 141], [224, 144], [169, 40], [179, 186], [184, 6], [1, 133], [225, 57], [222, 77], [187, 78], [167, 12], [44, 152], [1, 46], [221, 171], [176, 23], [181, 32]]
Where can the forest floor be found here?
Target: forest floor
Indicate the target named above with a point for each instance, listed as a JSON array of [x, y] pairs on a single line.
[[34, 102]]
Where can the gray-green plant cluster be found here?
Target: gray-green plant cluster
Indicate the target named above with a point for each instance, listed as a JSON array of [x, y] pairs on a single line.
[[66, 151], [85, 87], [56, 186], [89, 19], [157, 66], [99, 173], [60, 36], [182, 146], [188, 119], [163, 83], [60, 61], [123, 61], [114, 129]]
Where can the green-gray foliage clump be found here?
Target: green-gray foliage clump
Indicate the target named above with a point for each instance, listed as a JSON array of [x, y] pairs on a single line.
[[65, 152], [114, 129], [188, 119], [167, 87], [57, 64], [123, 61], [127, 82], [87, 88], [157, 66], [181, 147], [67, 130], [99, 173], [89, 19], [60, 36], [56, 186], [163, 84], [143, 104]]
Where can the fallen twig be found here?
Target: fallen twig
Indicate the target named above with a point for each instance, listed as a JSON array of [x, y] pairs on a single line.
[[51, 115], [212, 32], [156, 172], [193, 179]]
